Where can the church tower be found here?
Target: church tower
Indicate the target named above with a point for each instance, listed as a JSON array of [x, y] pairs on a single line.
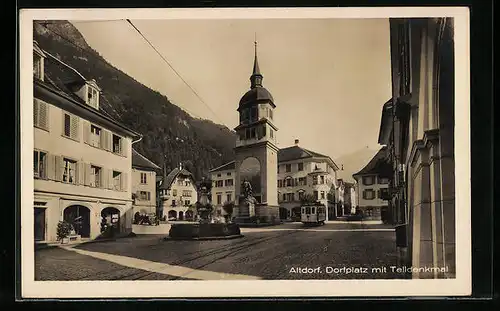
[[256, 151]]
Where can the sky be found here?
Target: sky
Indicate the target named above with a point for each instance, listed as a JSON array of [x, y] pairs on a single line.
[[329, 77]]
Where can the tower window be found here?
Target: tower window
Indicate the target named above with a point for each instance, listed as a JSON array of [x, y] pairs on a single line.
[[271, 114], [253, 114]]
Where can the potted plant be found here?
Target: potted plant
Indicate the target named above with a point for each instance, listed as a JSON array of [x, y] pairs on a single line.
[[63, 230]]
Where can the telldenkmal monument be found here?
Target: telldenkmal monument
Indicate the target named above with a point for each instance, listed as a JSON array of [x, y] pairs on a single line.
[[256, 155]]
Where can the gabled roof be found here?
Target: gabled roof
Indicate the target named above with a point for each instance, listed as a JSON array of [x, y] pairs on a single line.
[[227, 166], [140, 161], [63, 80], [297, 153], [167, 183], [377, 165]]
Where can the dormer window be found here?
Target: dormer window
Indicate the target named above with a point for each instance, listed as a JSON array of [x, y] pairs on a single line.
[[37, 66], [38, 57], [92, 97]]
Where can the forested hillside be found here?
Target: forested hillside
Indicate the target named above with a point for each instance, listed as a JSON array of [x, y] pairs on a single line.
[[170, 133]]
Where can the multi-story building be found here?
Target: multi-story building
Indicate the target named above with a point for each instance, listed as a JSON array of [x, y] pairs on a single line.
[[300, 172], [82, 158], [418, 127], [373, 183], [178, 194], [143, 184], [223, 187]]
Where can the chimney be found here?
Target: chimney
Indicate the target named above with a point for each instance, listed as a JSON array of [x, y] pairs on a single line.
[[296, 142]]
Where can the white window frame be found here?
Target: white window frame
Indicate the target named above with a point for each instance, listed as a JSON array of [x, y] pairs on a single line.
[[117, 180], [93, 100], [120, 145], [96, 176], [41, 166], [69, 171], [95, 138]]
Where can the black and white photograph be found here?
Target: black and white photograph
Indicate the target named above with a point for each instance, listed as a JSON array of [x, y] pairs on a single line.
[[245, 152]]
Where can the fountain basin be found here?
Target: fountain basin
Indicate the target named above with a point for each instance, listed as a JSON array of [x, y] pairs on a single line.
[[204, 231]]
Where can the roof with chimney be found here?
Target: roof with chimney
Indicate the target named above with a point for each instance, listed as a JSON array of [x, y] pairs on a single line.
[[141, 162], [378, 165], [167, 181]]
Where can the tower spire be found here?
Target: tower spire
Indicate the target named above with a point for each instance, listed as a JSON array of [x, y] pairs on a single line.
[[256, 78]]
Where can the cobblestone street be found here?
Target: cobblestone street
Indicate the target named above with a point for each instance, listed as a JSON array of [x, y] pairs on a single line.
[[333, 251]]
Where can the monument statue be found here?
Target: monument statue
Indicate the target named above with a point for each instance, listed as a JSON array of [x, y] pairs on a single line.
[[247, 198], [203, 206]]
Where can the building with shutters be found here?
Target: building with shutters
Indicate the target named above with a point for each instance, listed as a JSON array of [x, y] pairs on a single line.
[[178, 194], [223, 188], [143, 184], [82, 158], [373, 183]]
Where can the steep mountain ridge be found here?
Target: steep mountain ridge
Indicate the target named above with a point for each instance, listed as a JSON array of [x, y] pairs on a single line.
[[170, 135]]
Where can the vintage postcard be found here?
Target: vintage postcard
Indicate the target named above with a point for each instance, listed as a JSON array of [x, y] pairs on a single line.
[[211, 153]]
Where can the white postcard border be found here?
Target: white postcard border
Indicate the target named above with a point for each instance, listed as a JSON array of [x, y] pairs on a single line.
[[461, 285]]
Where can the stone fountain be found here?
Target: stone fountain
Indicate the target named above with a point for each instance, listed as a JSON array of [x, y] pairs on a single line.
[[209, 226]]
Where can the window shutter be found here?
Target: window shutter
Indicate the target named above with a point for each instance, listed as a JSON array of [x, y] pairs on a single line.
[[81, 173], [35, 111], [59, 168], [74, 127], [86, 131], [104, 178], [51, 166], [124, 182], [106, 140], [43, 115], [110, 184], [364, 194], [87, 174], [124, 146]]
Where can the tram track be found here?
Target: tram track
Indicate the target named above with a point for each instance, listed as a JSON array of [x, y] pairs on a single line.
[[225, 251]]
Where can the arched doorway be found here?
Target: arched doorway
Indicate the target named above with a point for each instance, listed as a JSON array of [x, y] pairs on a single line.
[[79, 217], [189, 215], [181, 216], [283, 213], [110, 220], [172, 215]]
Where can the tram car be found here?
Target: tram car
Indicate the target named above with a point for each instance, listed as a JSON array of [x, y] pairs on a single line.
[[313, 214]]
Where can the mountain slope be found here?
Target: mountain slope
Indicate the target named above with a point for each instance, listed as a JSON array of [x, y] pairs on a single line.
[[171, 135]]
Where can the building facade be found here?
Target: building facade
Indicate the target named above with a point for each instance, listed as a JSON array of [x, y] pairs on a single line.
[[143, 184], [82, 157], [178, 194], [349, 198], [373, 187], [223, 188], [304, 172], [418, 127]]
